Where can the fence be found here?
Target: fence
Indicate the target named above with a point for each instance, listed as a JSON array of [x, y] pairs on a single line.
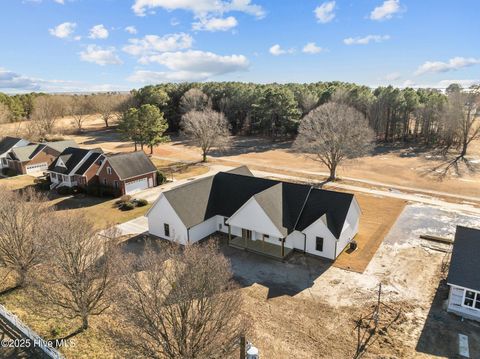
[[30, 334]]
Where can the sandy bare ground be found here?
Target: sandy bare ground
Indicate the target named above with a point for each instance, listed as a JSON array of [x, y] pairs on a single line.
[[397, 166]]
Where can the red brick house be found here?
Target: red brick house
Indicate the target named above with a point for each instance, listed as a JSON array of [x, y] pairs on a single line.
[[35, 158], [127, 172]]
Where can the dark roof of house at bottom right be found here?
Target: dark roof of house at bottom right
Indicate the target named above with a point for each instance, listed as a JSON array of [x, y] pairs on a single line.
[[465, 265]]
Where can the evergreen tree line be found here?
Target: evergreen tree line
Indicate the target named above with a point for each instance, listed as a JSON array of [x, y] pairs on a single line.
[[420, 116]]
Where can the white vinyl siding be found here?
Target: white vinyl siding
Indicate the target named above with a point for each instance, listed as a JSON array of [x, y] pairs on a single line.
[[456, 303]]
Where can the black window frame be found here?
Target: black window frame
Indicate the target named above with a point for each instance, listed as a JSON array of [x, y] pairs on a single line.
[[166, 229], [317, 241]]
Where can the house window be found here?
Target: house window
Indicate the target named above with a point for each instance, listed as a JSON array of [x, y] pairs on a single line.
[[220, 226], [115, 184], [4, 161], [319, 244], [266, 236], [105, 181], [471, 299], [54, 176], [166, 229], [109, 170]]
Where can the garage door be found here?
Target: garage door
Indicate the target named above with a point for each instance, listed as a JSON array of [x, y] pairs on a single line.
[[135, 186], [36, 168]]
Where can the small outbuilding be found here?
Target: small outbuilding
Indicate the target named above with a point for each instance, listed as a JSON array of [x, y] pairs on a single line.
[[464, 274]]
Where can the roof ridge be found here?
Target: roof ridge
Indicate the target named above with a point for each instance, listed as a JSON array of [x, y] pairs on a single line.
[[303, 207]]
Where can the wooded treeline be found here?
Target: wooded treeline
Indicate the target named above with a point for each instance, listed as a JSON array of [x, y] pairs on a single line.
[[419, 116], [275, 110]]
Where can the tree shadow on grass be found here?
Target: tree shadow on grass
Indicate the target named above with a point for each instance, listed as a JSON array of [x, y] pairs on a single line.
[[456, 166]]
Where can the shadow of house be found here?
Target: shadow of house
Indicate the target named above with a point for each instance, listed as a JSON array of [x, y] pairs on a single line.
[[288, 277], [439, 335], [79, 201]]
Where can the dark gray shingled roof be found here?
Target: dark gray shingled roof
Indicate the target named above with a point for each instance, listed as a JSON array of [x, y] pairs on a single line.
[[88, 162], [7, 143], [128, 165], [71, 157], [464, 266], [290, 206]]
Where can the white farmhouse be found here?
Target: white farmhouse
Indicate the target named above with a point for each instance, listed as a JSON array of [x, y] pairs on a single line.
[[260, 215], [464, 275]]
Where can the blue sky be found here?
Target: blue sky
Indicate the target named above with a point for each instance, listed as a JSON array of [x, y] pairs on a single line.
[[95, 45]]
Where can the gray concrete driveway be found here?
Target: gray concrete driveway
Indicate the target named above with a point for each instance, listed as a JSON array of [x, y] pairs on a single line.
[[134, 227]]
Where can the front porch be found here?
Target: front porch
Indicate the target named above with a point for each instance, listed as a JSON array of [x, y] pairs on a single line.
[[261, 247]]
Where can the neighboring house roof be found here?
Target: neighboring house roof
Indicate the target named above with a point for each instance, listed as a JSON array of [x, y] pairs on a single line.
[[88, 163], [290, 206], [71, 157], [7, 143], [464, 266], [25, 153], [133, 164], [60, 146]]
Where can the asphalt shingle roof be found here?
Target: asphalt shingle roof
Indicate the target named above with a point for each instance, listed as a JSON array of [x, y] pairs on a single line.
[[128, 165], [465, 266], [26, 153], [7, 143], [290, 206], [88, 162], [71, 157]]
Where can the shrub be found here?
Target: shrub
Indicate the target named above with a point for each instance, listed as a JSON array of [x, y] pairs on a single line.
[[55, 331], [9, 172], [141, 202], [42, 184], [123, 199], [161, 178], [64, 191], [127, 206]]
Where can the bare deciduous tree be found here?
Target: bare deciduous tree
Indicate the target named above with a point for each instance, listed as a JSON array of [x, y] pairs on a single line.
[[79, 108], [461, 125], [207, 129], [5, 114], [181, 304], [24, 222], [78, 279], [332, 133], [194, 100], [109, 106], [46, 110]]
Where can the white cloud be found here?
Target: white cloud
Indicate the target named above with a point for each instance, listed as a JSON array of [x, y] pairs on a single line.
[[393, 76], [325, 12], [215, 24], [276, 50], [12, 82], [365, 40], [190, 66], [64, 30], [60, 2], [199, 7], [131, 30], [453, 64], [386, 10], [100, 56], [312, 48], [98, 32], [153, 44], [466, 83]]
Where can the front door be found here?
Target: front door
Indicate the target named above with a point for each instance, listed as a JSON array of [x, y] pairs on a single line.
[[246, 234]]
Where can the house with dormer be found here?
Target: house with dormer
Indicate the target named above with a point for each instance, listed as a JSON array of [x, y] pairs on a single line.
[[261, 215]]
